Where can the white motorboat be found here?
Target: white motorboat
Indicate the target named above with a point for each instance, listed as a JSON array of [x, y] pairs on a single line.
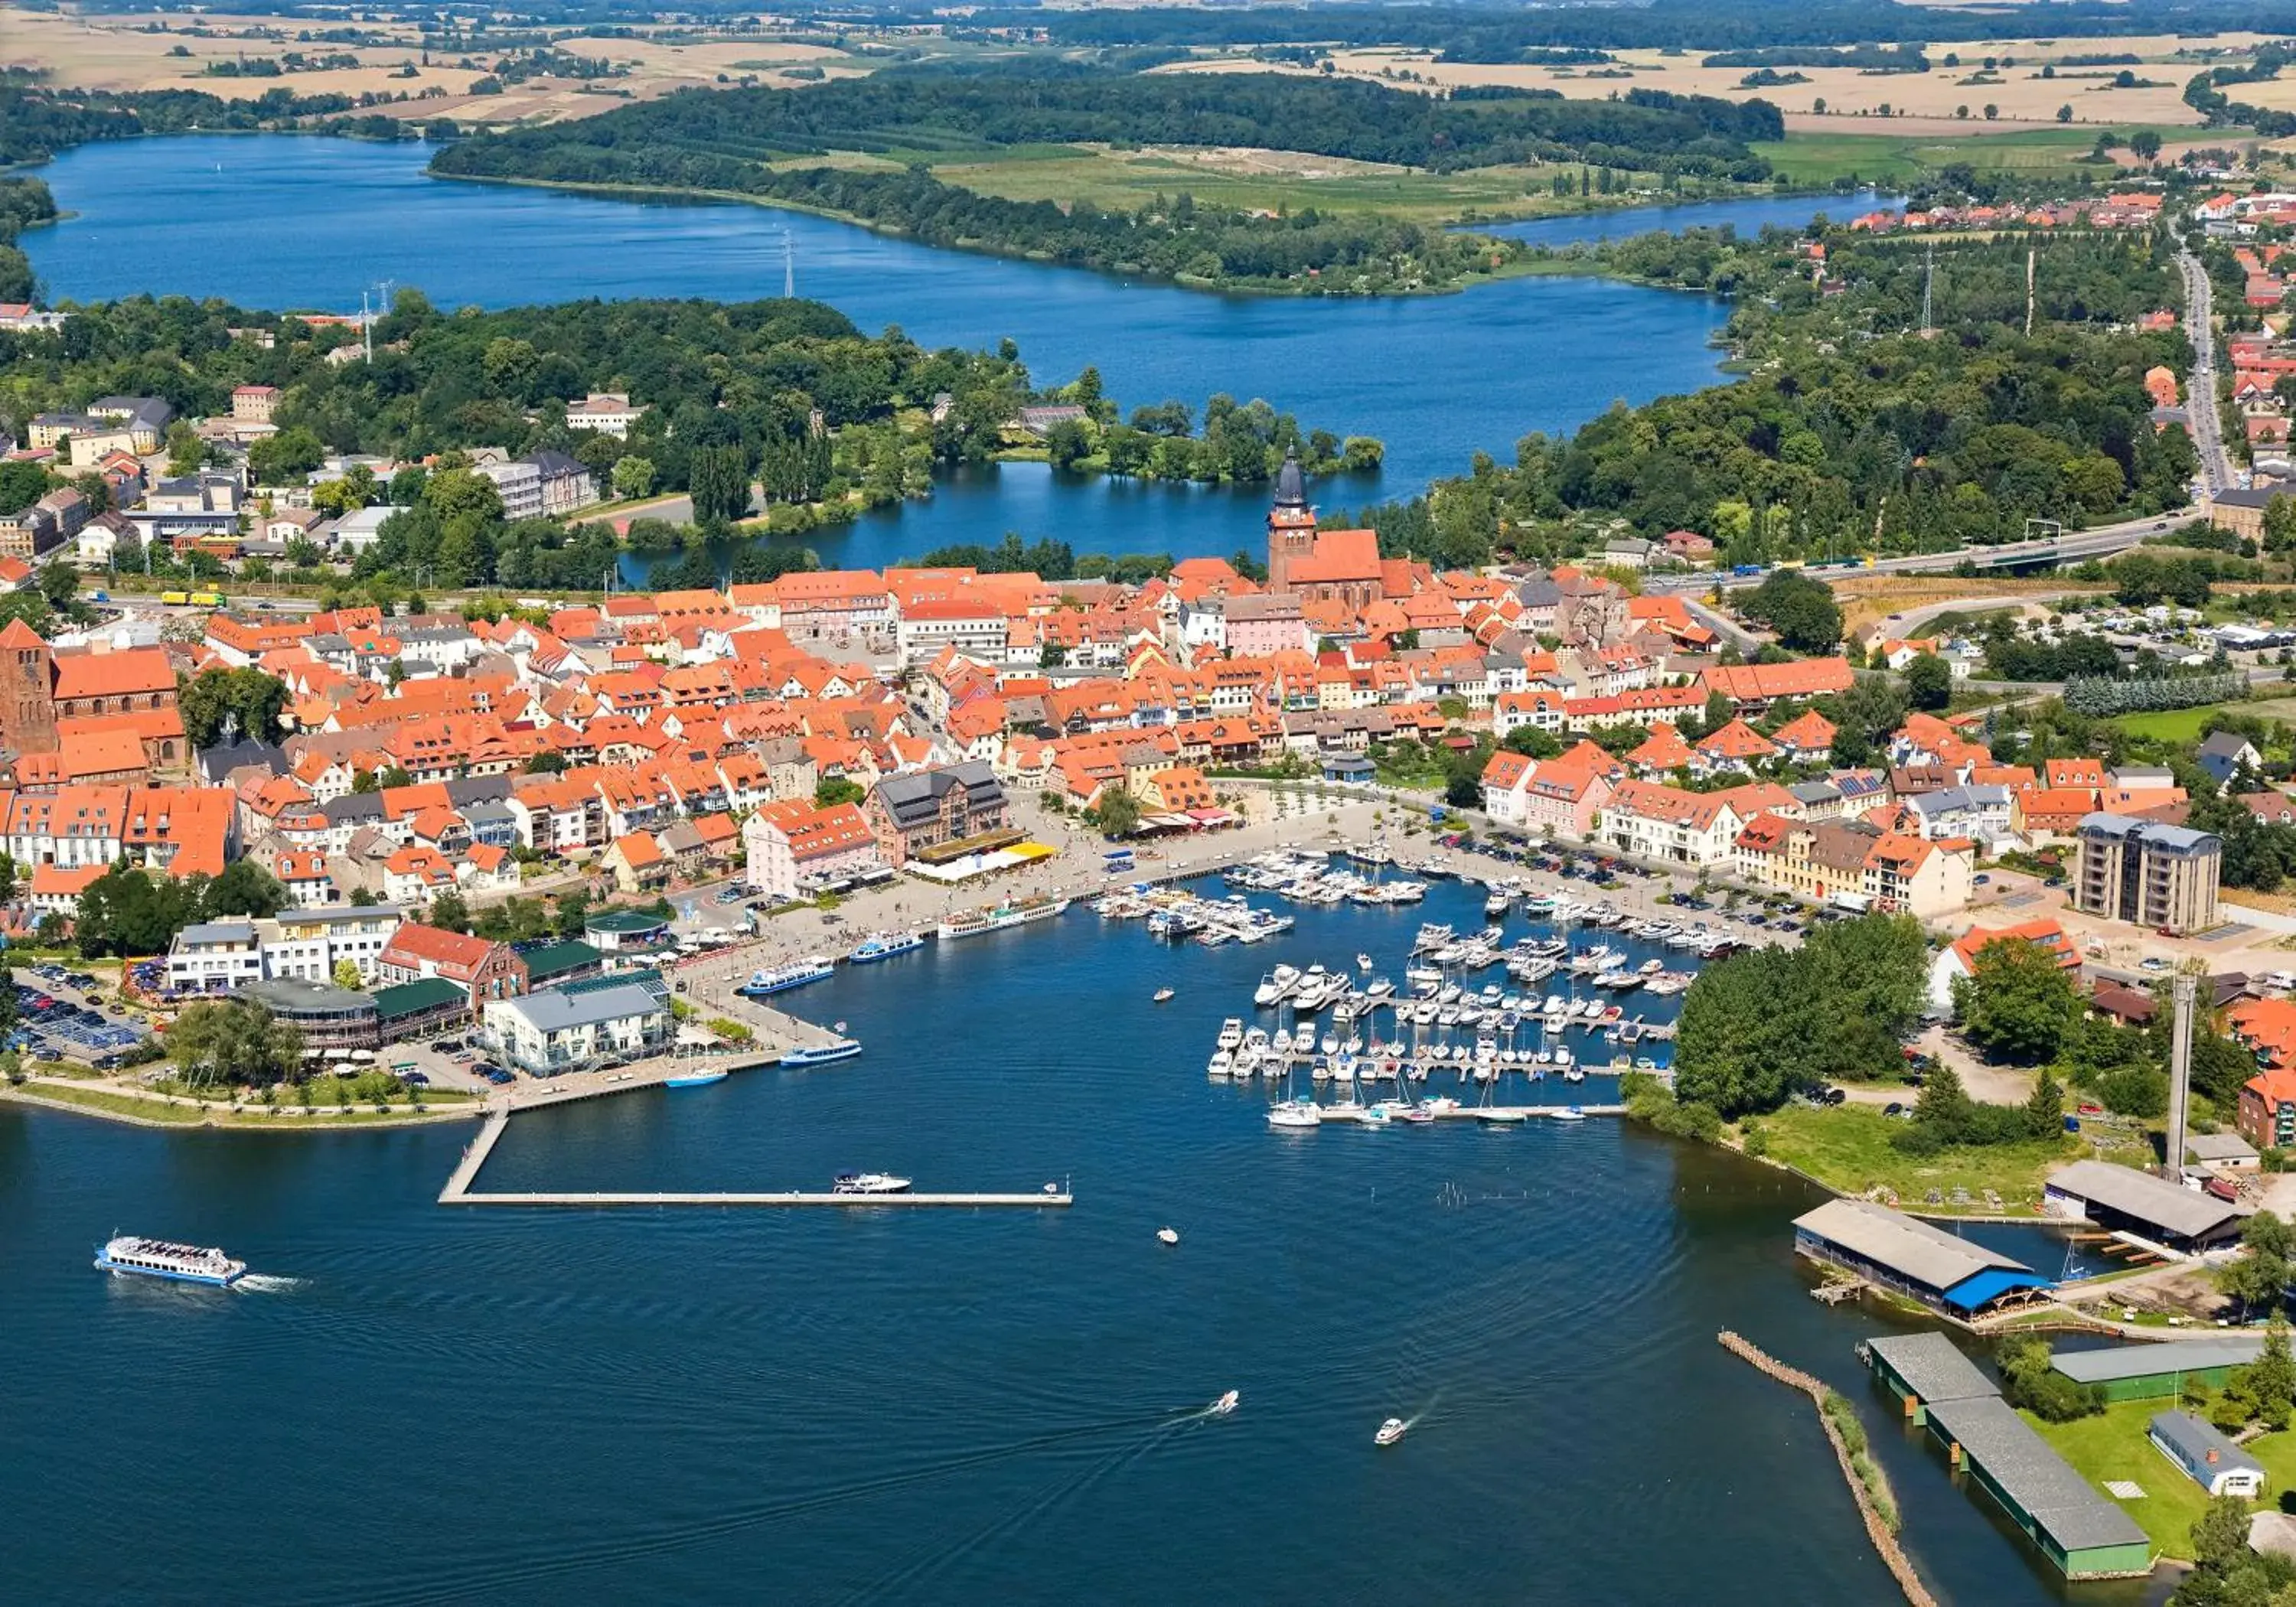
[[869, 1183], [1295, 1114], [1331, 1044], [1225, 1404], [1571, 1113], [1363, 963], [1276, 986], [1222, 1063], [1231, 1034], [1392, 1430], [1162, 996], [1167, 1235]]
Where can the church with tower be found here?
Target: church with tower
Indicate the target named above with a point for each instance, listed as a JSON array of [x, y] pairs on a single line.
[[1318, 566]]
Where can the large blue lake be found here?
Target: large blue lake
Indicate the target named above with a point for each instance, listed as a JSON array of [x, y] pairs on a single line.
[[693, 1406], [309, 224]]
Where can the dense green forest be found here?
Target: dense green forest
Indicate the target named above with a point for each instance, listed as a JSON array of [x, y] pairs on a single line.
[[23, 202], [1043, 102], [786, 395], [1853, 432], [35, 123]]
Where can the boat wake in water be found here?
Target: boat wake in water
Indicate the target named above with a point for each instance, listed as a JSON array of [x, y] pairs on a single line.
[[262, 1283], [654, 1539], [1059, 1492]]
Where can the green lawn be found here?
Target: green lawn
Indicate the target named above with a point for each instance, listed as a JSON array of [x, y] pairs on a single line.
[[106, 1101], [1846, 1148], [2168, 725], [1897, 158], [2113, 1445]]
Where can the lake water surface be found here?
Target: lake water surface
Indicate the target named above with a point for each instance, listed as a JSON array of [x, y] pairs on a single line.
[[545, 1406]]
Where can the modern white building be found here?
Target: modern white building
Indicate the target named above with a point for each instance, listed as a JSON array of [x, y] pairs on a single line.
[[555, 1031], [308, 944], [214, 956]]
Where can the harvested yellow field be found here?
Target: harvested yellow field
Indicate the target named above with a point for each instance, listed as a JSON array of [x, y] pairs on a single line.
[[129, 52], [1918, 103]]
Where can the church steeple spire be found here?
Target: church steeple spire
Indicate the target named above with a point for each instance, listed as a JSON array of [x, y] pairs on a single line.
[[1290, 524], [1291, 485]]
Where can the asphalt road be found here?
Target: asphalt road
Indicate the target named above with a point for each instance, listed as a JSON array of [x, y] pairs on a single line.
[[2201, 400]]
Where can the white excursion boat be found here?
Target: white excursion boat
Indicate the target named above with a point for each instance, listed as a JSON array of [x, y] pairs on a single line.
[[160, 1258]]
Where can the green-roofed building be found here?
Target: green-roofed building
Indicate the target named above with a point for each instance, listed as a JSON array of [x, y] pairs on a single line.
[[560, 963], [617, 929], [411, 1009]]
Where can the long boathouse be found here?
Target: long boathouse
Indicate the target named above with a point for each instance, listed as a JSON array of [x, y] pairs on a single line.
[[2084, 1536], [1906, 1256]]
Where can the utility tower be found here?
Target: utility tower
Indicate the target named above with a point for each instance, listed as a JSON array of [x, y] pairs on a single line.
[[789, 267], [1929, 295], [2180, 1075]]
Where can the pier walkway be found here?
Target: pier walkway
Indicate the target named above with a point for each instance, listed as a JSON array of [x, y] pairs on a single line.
[[459, 1190], [793, 1198]]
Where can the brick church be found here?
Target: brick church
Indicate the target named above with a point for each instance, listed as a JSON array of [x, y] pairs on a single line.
[[1333, 566]]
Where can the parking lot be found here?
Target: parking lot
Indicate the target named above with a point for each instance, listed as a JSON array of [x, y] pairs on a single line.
[[58, 1019]]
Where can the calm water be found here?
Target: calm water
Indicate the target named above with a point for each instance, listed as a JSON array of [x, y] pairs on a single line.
[[1437, 378], [1748, 217], [534, 1407]]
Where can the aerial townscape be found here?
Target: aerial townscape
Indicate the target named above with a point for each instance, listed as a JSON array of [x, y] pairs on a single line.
[[861, 803]]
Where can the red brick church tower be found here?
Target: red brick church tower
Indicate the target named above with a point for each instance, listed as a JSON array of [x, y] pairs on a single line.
[[28, 699], [1291, 525]]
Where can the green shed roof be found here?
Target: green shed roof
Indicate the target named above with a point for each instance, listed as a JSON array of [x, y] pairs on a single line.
[[415, 998], [558, 958]]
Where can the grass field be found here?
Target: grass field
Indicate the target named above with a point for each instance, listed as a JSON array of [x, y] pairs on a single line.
[[2016, 85], [1897, 158], [2168, 725], [1847, 1149], [2113, 1445], [1245, 179]]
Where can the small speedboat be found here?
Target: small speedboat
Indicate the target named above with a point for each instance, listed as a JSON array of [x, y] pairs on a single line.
[[1168, 1235], [869, 1183], [1363, 961], [1163, 995], [1225, 1404], [1392, 1430], [1571, 1113]]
